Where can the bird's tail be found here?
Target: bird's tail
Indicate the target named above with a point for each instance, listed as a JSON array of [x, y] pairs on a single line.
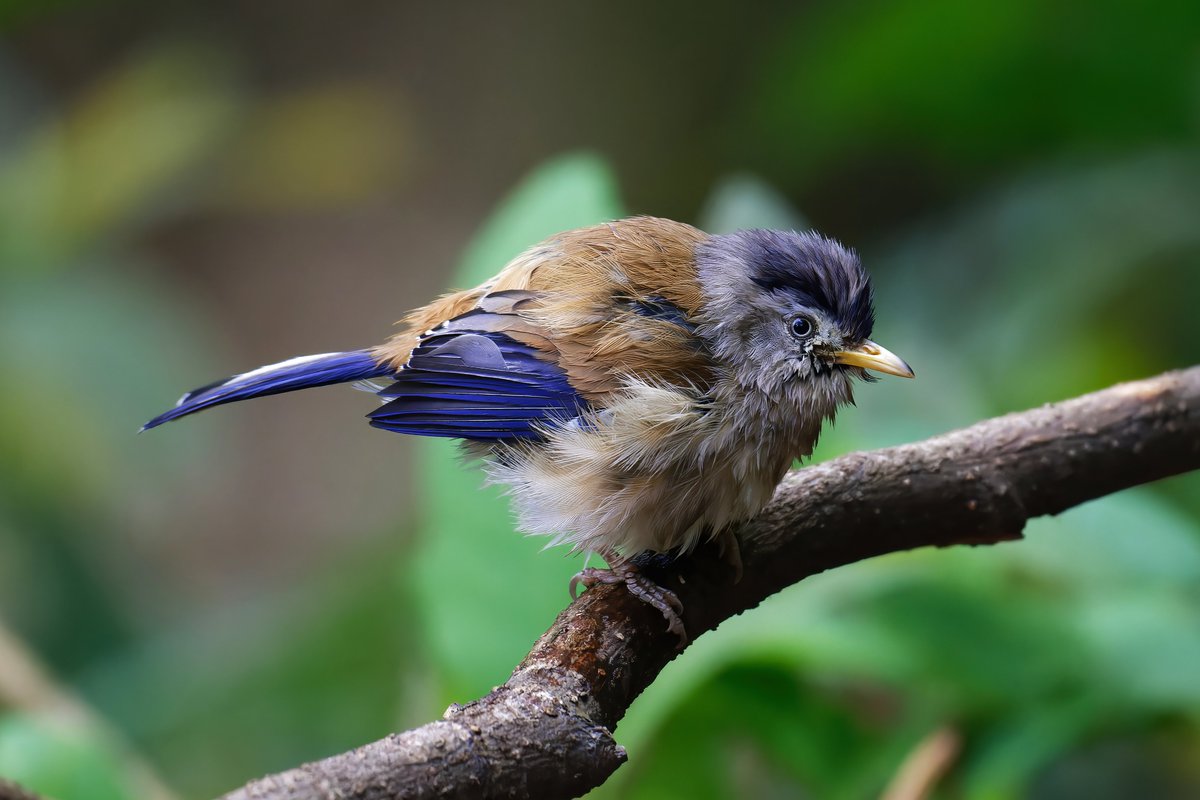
[[286, 376]]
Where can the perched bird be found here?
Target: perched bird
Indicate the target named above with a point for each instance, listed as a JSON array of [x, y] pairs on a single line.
[[639, 385]]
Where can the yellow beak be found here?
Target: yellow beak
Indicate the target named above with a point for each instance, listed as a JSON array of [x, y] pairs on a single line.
[[869, 355]]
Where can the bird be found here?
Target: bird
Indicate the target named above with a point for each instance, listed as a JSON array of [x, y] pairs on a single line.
[[638, 385]]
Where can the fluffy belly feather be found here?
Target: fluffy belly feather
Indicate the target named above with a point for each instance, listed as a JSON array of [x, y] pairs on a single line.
[[659, 469]]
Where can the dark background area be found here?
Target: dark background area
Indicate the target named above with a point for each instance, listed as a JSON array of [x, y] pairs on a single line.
[[189, 190]]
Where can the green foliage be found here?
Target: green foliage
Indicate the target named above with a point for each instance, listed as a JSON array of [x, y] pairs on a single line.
[[58, 763], [308, 673], [957, 86]]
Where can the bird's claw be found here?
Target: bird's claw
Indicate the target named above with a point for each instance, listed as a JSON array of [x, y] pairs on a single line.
[[641, 587]]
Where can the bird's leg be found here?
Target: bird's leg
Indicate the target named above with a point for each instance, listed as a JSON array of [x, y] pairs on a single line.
[[643, 588]]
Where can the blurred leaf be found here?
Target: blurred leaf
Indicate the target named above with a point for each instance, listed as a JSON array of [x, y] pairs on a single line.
[[567, 192], [759, 729], [1146, 649], [744, 201], [137, 132], [303, 673], [110, 350], [484, 592], [977, 653], [975, 84], [1131, 539], [1137, 764], [1126, 570], [1008, 752], [88, 359], [59, 764], [1058, 244], [320, 148]]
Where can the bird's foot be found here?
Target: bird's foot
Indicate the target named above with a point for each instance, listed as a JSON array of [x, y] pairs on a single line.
[[641, 587]]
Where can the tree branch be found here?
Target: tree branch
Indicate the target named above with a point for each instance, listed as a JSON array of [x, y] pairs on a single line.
[[546, 733]]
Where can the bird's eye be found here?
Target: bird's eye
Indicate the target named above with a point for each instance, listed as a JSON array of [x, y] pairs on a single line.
[[802, 327]]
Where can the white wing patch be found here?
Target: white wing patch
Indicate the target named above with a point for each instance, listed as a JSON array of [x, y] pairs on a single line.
[[291, 362]]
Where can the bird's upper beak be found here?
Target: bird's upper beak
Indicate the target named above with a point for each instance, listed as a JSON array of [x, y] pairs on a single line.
[[871, 356]]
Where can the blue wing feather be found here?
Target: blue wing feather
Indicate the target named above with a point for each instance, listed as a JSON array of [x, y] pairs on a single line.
[[477, 385]]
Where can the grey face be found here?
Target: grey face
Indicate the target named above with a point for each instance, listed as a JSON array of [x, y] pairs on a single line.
[[783, 306]]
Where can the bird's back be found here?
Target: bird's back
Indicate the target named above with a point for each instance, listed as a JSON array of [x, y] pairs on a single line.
[[604, 303]]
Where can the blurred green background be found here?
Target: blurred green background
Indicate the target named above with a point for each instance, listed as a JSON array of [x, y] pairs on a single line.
[[191, 189]]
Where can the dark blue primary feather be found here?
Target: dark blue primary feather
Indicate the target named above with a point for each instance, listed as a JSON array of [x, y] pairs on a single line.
[[297, 373], [483, 386]]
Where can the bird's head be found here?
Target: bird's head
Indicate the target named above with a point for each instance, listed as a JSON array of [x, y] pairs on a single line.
[[791, 314]]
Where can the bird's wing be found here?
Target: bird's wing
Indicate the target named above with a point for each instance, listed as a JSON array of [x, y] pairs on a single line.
[[485, 375], [623, 301], [576, 317]]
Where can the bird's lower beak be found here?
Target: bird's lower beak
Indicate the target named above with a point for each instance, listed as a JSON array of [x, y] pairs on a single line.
[[869, 355]]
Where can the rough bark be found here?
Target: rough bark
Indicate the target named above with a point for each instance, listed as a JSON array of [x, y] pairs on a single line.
[[546, 733]]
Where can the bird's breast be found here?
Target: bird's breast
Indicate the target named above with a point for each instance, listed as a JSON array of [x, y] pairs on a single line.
[[658, 469]]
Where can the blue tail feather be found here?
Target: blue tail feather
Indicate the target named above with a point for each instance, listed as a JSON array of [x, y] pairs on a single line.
[[296, 373]]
